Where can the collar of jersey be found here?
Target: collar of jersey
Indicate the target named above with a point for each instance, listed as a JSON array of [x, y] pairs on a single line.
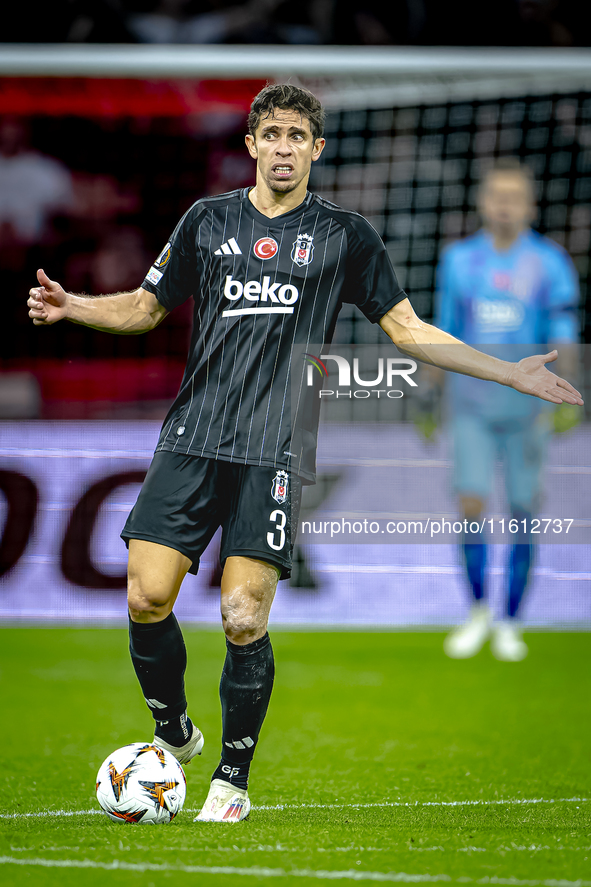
[[277, 220]]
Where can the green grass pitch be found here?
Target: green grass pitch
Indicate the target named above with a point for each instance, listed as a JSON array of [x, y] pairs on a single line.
[[380, 760]]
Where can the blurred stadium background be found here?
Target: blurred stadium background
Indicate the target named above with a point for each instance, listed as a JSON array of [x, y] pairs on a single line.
[[102, 149]]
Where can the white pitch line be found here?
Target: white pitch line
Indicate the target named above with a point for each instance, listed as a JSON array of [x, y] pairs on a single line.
[[262, 872], [39, 814], [378, 804], [476, 803]]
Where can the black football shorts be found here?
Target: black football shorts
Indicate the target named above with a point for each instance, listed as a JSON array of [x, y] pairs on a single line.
[[184, 499]]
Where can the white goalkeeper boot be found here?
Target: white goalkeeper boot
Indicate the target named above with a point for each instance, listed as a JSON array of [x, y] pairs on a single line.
[[224, 803], [184, 753], [507, 643], [468, 639]]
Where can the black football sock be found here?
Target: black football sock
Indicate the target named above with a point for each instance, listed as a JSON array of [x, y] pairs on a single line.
[[245, 690], [176, 732], [159, 657]]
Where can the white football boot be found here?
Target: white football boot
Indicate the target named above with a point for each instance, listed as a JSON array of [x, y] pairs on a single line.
[[184, 753], [468, 639], [506, 643], [224, 803]]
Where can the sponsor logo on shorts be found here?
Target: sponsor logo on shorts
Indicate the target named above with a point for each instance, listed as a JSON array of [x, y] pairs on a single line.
[[280, 487], [265, 248], [303, 250]]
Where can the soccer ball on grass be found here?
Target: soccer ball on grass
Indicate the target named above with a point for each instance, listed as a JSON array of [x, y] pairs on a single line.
[[141, 783]]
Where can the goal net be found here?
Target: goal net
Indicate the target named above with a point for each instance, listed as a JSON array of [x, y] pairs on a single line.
[[410, 160]]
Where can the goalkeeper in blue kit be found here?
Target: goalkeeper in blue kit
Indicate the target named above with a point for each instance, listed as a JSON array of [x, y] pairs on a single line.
[[509, 291]]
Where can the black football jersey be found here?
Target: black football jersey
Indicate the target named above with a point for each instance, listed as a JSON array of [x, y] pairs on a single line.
[[264, 290]]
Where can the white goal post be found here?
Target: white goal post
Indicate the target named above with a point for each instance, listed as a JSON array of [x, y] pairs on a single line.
[[343, 77]]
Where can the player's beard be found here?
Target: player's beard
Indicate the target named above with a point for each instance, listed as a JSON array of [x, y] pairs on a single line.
[[282, 187]]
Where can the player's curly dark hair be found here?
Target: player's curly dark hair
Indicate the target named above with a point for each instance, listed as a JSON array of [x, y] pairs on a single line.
[[287, 98]]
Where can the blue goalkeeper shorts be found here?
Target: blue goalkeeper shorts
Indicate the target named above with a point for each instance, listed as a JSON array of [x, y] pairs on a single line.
[[520, 444]]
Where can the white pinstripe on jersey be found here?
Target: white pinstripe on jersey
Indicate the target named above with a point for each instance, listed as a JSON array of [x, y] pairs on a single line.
[[235, 399]]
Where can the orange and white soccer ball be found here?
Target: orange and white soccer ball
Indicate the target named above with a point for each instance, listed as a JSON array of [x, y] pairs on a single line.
[[141, 783]]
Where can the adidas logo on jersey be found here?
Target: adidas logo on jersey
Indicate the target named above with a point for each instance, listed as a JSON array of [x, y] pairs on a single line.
[[229, 248]]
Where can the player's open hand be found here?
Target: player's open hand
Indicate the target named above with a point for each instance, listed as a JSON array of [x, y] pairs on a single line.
[[530, 376], [47, 302]]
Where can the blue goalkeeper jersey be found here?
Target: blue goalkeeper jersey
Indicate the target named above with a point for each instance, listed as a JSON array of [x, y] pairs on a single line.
[[510, 304]]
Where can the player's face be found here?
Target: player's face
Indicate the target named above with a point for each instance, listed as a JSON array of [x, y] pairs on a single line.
[[506, 202], [284, 149]]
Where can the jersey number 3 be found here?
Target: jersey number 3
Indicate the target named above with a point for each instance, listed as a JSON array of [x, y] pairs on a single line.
[[281, 519]]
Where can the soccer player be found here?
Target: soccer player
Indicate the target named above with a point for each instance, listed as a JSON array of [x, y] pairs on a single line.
[[509, 286], [268, 268]]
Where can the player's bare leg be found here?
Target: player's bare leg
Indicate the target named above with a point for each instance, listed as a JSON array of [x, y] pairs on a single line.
[[155, 574], [468, 639], [248, 589]]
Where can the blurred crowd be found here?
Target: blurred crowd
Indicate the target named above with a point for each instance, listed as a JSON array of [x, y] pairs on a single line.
[[86, 216], [310, 22]]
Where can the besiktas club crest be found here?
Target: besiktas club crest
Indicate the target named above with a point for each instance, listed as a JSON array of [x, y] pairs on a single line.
[[280, 487], [303, 250]]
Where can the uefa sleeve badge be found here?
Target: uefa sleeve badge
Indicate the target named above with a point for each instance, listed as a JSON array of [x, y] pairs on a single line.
[[280, 487], [154, 275], [303, 250], [164, 257]]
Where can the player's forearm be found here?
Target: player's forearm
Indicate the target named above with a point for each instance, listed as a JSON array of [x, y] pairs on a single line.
[[123, 313], [429, 344]]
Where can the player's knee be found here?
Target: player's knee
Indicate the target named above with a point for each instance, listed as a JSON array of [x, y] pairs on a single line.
[[243, 630], [243, 619], [145, 603]]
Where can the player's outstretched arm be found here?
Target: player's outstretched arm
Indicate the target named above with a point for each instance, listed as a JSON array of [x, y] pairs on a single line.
[[428, 343], [123, 313]]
